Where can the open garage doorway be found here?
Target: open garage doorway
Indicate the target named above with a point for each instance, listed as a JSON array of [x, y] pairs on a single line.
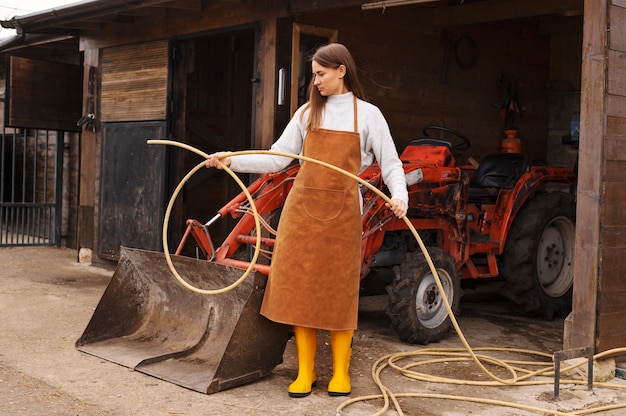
[[213, 98]]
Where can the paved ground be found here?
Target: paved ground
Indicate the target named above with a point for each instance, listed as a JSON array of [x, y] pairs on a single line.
[[47, 298]]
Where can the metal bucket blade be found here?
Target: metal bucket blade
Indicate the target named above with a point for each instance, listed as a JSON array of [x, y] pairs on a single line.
[[147, 321]]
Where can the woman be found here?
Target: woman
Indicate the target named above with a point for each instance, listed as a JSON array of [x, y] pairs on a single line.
[[315, 269]]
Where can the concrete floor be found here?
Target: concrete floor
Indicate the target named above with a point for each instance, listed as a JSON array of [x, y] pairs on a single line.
[[47, 299]]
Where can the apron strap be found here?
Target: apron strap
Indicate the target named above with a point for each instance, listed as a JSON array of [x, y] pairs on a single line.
[[356, 117]]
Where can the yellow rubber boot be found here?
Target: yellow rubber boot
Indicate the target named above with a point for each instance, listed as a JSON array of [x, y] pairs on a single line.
[[341, 344], [306, 345]]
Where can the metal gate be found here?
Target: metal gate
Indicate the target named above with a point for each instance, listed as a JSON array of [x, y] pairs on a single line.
[[31, 182]]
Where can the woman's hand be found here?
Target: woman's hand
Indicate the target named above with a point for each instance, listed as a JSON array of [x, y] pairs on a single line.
[[399, 207], [213, 161]]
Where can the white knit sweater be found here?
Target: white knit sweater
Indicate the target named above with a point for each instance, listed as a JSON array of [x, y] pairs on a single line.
[[376, 142]]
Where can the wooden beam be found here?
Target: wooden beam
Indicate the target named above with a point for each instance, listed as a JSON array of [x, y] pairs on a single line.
[[305, 6], [183, 4], [266, 91], [79, 25], [161, 25], [88, 157], [590, 168], [496, 10]]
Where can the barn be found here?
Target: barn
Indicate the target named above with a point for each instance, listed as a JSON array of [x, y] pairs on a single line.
[[90, 82]]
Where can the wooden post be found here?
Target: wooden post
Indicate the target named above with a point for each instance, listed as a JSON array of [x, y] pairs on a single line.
[[266, 92], [86, 220], [591, 151]]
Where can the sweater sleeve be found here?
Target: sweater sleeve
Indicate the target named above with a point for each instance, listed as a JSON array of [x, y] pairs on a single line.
[[380, 142], [290, 141]]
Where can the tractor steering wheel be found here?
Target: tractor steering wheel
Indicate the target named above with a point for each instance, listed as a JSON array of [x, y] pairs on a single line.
[[456, 147]]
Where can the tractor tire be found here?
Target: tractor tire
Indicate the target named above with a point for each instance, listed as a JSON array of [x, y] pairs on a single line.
[[538, 261], [415, 306]]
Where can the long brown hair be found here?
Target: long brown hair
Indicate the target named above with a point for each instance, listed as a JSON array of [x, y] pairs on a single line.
[[332, 55]]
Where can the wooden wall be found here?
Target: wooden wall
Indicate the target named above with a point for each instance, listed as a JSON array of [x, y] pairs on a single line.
[[406, 74], [403, 57]]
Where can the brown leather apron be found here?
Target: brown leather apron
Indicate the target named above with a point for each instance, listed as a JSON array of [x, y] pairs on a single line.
[[315, 269]]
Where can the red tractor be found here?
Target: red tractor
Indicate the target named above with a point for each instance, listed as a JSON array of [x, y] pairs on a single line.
[[495, 220]]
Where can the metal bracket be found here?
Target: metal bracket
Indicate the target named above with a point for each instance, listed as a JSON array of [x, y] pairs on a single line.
[[559, 356]]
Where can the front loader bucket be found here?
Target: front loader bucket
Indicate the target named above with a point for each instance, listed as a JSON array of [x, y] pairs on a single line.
[[148, 321]]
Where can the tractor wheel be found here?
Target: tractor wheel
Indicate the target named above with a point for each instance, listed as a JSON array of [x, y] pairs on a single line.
[[416, 308], [538, 262]]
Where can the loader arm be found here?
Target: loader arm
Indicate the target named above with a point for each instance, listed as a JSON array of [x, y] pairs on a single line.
[[268, 189], [269, 193], [270, 196], [375, 219]]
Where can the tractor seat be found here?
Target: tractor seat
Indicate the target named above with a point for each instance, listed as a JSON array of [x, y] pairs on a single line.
[[497, 171]]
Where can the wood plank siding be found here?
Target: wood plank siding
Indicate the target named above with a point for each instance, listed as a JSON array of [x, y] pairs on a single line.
[[43, 95], [134, 82], [611, 331]]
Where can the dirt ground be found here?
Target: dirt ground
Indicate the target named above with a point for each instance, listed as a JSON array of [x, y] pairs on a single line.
[[47, 299]]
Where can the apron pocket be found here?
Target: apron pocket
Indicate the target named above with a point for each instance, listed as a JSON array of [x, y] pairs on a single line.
[[323, 204]]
